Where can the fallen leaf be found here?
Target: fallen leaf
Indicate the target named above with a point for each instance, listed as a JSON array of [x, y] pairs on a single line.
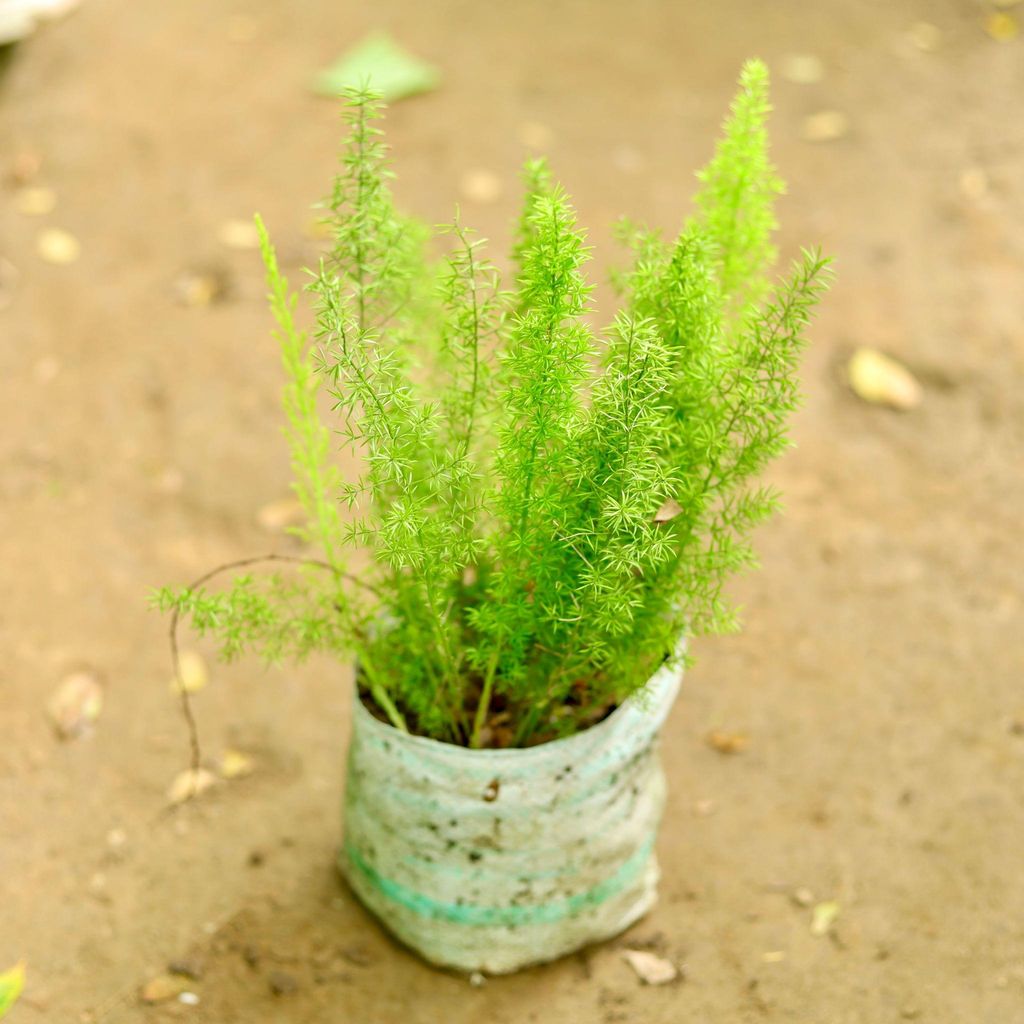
[[58, 246], [650, 968], [239, 234], [277, 516], [823, 917], [163, 987], [480, 187], [925, 36], [880, 380], [199, 288], [727, 742], [236, 765], [825, 126], [802, 68], [35, 200], [75, 705], [192, 673], [25, 166], [379, 63], [12, 981], [1002, 27], [188, 785], [668, 511]]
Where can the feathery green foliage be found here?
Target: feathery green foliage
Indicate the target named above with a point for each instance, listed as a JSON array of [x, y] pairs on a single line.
[[547, 510]]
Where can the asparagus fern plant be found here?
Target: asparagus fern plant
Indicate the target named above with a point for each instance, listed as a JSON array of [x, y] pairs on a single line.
[[547, 507]]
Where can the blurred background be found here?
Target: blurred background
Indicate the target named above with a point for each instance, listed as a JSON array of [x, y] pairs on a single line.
[[876, 695]]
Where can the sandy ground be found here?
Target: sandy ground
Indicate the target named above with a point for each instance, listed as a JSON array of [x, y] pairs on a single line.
[[880, 674]]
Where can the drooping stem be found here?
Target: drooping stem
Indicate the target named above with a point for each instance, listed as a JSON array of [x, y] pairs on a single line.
[[195, 750]]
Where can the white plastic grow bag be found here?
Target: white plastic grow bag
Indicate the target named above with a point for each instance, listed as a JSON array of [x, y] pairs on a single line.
[[491, 860]]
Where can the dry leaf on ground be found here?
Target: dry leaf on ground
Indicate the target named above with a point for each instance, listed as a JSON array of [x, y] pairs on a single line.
[[192, 673], [728, 742], [277, 516], [239, 234], [58, 246], [76, 704], [823, 917], [201, 288], [1002, 27], [825, 126], [163, 987], [802, 68], [479, 186], [881, 380], [35, 200], [188, 785], [236, 765], [650, 968]]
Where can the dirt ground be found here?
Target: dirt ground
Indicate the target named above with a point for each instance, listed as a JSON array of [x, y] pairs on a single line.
[[879, 678]]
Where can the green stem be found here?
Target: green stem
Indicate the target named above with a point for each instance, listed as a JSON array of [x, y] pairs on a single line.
[[381, 695], [485, 700]]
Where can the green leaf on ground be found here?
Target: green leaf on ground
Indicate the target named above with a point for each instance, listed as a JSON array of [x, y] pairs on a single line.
[[11, 983], [380, 64]]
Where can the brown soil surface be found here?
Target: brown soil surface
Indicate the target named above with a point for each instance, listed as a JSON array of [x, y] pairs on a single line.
[[880, 674]]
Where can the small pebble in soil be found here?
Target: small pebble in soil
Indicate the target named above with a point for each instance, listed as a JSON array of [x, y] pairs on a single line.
[[803, 897], [76, 705], [282, 984], [357, 956], [189, 999], [476, 979]]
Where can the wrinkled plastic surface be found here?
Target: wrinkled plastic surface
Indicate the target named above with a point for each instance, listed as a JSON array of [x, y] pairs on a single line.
[[492, 860]]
